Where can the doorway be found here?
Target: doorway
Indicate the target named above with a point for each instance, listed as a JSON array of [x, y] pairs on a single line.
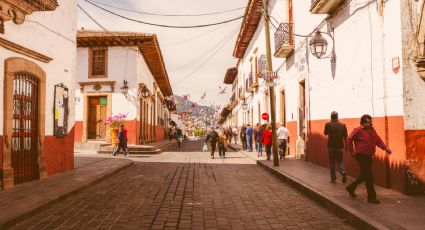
[[97, 115], [302, 111], [283, 107]]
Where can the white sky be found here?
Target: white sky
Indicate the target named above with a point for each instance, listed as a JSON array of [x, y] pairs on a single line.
[[181, 59]]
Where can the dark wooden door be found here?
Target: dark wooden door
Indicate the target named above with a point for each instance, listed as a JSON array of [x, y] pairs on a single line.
[[25, 127]]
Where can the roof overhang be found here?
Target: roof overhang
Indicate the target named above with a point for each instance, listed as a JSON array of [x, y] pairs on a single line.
[[248, 28], [147, 44], [230, 76]]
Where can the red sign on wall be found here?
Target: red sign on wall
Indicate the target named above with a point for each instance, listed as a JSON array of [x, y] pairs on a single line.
[[265, 116]]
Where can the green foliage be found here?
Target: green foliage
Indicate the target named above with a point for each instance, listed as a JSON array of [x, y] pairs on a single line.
[[200, 132]]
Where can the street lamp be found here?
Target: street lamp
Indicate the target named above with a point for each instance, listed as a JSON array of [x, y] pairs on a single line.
[[143, 91], [319, 45], [124, 89], [244, 105]]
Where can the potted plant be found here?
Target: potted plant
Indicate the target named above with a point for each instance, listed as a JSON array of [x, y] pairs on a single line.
[[114, 123]]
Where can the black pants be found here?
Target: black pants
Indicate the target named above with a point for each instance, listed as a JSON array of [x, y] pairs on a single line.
[[213, 145], [222, 150], [283, 144], [365, 163], [122, 144], [335, 156], [268, 151]]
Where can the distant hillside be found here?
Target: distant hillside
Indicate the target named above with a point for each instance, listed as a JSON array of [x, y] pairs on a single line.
[[186, 106]]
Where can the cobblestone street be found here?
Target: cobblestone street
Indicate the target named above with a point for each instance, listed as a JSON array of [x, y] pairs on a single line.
[[193, 193]]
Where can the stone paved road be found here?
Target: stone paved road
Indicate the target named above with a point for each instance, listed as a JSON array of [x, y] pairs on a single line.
[[196, 193]]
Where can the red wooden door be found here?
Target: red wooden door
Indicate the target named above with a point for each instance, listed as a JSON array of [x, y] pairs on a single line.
[[25, 127]]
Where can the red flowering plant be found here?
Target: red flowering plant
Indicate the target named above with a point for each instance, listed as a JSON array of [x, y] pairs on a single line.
[[115, 121]]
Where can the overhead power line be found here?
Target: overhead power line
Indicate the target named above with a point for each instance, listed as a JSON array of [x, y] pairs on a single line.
[[169, 15], [206, 60], [193, 38], [161, 25]]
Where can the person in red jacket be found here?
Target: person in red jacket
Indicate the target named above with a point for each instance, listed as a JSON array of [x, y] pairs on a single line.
[[365, 140], [266, 139]]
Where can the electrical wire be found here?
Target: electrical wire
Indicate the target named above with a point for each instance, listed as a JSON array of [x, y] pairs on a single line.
[[169, 15], [162, 25], [104, 28], [193, 38], [206, 61], [207, 52]]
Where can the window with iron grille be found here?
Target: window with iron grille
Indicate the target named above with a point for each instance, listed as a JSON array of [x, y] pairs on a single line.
[[98, 62]]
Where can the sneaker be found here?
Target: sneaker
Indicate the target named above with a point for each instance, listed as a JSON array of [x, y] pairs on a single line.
[[351, 192], [374, 201], [344, 178]]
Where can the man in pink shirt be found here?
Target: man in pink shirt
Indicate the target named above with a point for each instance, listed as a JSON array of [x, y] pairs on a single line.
[[365, 140]]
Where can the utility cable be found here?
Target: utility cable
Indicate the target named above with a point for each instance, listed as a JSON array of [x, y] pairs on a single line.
[[205, 62], [162, 25], [207, 52], [168, 15], [193, 38]]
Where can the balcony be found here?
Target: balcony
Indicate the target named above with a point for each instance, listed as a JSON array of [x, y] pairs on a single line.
[[248, 83], [284, 40], [261, 65], [253, 84], [324, 6]]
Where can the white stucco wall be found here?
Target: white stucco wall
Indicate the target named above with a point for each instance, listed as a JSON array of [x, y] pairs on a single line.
[[365, 44], [51, 33]]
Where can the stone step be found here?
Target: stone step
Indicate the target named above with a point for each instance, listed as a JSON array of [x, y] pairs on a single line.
[[135, 152], [131, 148]]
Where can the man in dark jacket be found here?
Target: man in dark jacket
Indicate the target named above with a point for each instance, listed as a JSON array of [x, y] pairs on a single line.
[[122, 141], [365, 140], [212, 138], [337, 134]]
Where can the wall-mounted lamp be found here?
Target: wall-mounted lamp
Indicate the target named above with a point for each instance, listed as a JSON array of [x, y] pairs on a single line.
[[319, 46], [244, 105], [143, 91], [124, 89]]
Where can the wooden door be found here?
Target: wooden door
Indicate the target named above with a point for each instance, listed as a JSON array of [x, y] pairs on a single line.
[[101, 118], [25, 127]]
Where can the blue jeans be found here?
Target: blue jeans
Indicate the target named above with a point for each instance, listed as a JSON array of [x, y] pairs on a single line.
[[335, 156], [259, 147], [249, 142]]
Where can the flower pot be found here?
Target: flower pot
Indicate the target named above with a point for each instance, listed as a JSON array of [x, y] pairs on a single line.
[[114, 135]]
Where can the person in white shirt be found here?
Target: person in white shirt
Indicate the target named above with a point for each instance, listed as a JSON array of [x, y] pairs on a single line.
[[235, 135], [282, 140]]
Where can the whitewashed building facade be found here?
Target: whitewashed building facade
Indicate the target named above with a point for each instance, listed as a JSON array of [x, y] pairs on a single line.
[[363, 72], [107, 63], [36, 87]]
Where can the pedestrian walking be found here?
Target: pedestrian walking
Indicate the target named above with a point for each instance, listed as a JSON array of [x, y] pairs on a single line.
[[267, 139], [337, 135], [122, 141], [229, 135], [282, 140], [365, 140], [222, 144], [249, 133], [179, 137], [211, 140], [243, 137], [235, 135], [258, 133]]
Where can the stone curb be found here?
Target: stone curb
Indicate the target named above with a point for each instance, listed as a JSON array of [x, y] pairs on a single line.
[[8, 223], [350, 215]]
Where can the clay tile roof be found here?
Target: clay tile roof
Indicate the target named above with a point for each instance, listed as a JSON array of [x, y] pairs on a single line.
[[147, 43], [248, 28]]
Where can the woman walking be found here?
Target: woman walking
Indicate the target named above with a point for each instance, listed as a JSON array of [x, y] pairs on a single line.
[[222, 144], [266, 139], [258, 133]]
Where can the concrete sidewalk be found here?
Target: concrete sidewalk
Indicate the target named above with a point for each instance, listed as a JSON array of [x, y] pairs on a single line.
[[27, 199], [396, 211]]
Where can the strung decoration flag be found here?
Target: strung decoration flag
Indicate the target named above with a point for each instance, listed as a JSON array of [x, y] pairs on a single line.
[[222, 90], [204, 95]]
